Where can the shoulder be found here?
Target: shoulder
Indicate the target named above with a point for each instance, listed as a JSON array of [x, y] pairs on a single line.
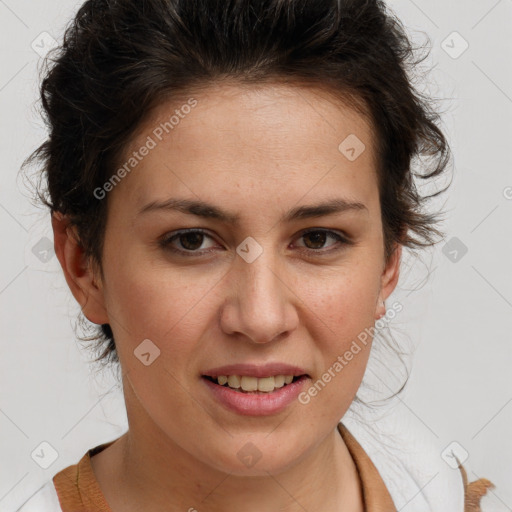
[[408, 458], [474, 490], [45, 499], [64, 487]]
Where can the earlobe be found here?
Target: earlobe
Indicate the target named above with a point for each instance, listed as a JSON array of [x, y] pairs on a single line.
[[77, 271], [389, 280]]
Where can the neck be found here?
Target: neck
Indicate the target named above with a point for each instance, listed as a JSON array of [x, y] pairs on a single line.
[[146, 470]]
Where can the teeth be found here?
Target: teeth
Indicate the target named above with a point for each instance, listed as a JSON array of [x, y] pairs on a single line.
[[222, 379], [266, 384], [234, 381], [249, 383], [246, 383], [279, 381]]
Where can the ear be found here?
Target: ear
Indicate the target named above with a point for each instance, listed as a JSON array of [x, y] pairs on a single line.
[[77, 270], [389, 280]]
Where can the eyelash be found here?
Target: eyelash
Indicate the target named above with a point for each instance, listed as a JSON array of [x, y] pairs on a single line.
[[165, 242]]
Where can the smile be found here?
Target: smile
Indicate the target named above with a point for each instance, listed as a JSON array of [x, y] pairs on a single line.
[[255, 396], [248, 384]]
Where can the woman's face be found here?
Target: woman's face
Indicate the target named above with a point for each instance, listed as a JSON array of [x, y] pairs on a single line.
[[280, 280]]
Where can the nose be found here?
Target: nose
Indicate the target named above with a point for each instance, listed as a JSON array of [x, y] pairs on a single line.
[[260, 302]]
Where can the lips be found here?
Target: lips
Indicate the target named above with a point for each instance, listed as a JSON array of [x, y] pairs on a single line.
[[246, 384], [261, 402], [255, 390], [258, 371], [247, 378]]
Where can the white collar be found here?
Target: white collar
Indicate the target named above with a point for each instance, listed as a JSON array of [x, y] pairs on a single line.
[[407, 455]]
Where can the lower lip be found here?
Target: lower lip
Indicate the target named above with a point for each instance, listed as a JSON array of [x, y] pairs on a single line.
[[256, 404]]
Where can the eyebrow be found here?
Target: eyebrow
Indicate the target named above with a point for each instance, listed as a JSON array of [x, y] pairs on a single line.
[[206, 210]]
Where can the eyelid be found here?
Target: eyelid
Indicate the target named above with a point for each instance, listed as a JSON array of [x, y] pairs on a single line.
[[340, 237], [343, 239], [343, 236], [165, 240]]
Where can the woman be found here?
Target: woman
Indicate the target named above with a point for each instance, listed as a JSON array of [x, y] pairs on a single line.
[[230, 188]]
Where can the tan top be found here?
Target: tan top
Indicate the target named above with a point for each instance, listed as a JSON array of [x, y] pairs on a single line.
[[79, 491]]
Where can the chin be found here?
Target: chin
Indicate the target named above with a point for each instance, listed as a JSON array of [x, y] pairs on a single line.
[[255, 458]]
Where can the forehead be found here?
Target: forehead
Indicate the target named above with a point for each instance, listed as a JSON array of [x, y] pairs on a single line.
[[266, 137]]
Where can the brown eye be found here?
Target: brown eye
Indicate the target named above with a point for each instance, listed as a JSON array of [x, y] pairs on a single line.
[[191, 241], [187, 241], [315, 239]]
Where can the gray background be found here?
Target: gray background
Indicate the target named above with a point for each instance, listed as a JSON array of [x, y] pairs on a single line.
[[456, 314]]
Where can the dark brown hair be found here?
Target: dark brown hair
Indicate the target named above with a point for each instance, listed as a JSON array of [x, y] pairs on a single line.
[[122, 58]]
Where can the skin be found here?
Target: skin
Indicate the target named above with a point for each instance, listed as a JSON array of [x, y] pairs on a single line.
[[256, 153]]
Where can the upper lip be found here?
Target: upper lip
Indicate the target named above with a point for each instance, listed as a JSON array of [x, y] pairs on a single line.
[[255, 370]]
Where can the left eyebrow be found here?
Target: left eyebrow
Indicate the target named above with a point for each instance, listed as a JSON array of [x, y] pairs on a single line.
[[211, 211], [331, 207]]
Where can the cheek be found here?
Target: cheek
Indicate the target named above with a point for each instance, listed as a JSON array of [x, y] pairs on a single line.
[[156, 302], [342, 325], [344, 302]]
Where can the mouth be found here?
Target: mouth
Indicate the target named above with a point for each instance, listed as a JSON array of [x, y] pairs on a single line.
[[246, 384], [255, 389], [255, 396]]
